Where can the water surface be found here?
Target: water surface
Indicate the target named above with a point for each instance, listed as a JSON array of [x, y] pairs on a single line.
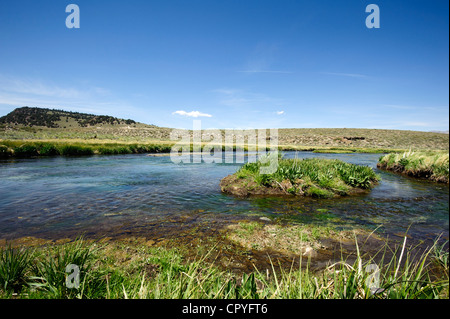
[[126, 194]]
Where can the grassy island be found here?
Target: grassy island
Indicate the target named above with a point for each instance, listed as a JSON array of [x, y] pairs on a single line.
[[314, 177]]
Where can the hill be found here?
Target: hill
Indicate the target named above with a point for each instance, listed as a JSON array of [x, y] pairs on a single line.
[[43, 124], [34, 116]]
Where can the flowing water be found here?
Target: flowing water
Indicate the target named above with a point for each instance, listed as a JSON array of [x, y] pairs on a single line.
[[144, 195]]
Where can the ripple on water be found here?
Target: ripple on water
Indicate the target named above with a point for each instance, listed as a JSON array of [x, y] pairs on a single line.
[[98, 193]]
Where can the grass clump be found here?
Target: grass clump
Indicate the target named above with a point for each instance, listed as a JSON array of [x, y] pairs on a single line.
[[113, 150], [402, 276], [48, 149], [25, 151], [75, 150], [314, 177], [14, 264], [50, 270], [433, 165]]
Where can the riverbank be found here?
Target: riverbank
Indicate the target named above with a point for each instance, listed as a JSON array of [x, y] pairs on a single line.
[[37, 148], [33, 147], [431, 165], [136, 269], [79, 147]]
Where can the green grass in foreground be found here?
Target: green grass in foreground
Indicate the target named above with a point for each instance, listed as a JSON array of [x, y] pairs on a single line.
[[118, 270], [433, 165], [313, 177]]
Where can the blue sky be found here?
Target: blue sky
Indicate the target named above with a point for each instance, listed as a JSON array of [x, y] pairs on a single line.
[[232, 64]]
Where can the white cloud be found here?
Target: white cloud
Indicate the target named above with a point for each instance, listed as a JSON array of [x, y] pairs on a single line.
[[192, 114], [280, 112]]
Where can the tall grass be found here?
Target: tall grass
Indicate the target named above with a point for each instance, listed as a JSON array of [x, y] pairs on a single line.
[[75, 150], [156, 272], [433, 165], [14, 265], [22, 149], [50, 270], [403, 276]]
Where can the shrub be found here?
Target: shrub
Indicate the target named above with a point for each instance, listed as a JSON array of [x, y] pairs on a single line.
[[115, 150], [48, 150], [74, 150], [107, 150], [4, 151], [26, 151]]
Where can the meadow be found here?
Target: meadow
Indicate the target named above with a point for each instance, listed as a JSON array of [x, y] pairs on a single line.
[[320, 140]]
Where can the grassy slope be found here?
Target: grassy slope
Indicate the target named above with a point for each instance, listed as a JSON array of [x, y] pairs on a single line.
[[372, 138], [46, 125], [300, 139]]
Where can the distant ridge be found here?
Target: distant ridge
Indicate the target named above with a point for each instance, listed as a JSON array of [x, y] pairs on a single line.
[[52, 118], [35, 123]]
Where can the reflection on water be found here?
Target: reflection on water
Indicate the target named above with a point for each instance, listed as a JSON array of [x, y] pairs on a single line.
[[101, 194]]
